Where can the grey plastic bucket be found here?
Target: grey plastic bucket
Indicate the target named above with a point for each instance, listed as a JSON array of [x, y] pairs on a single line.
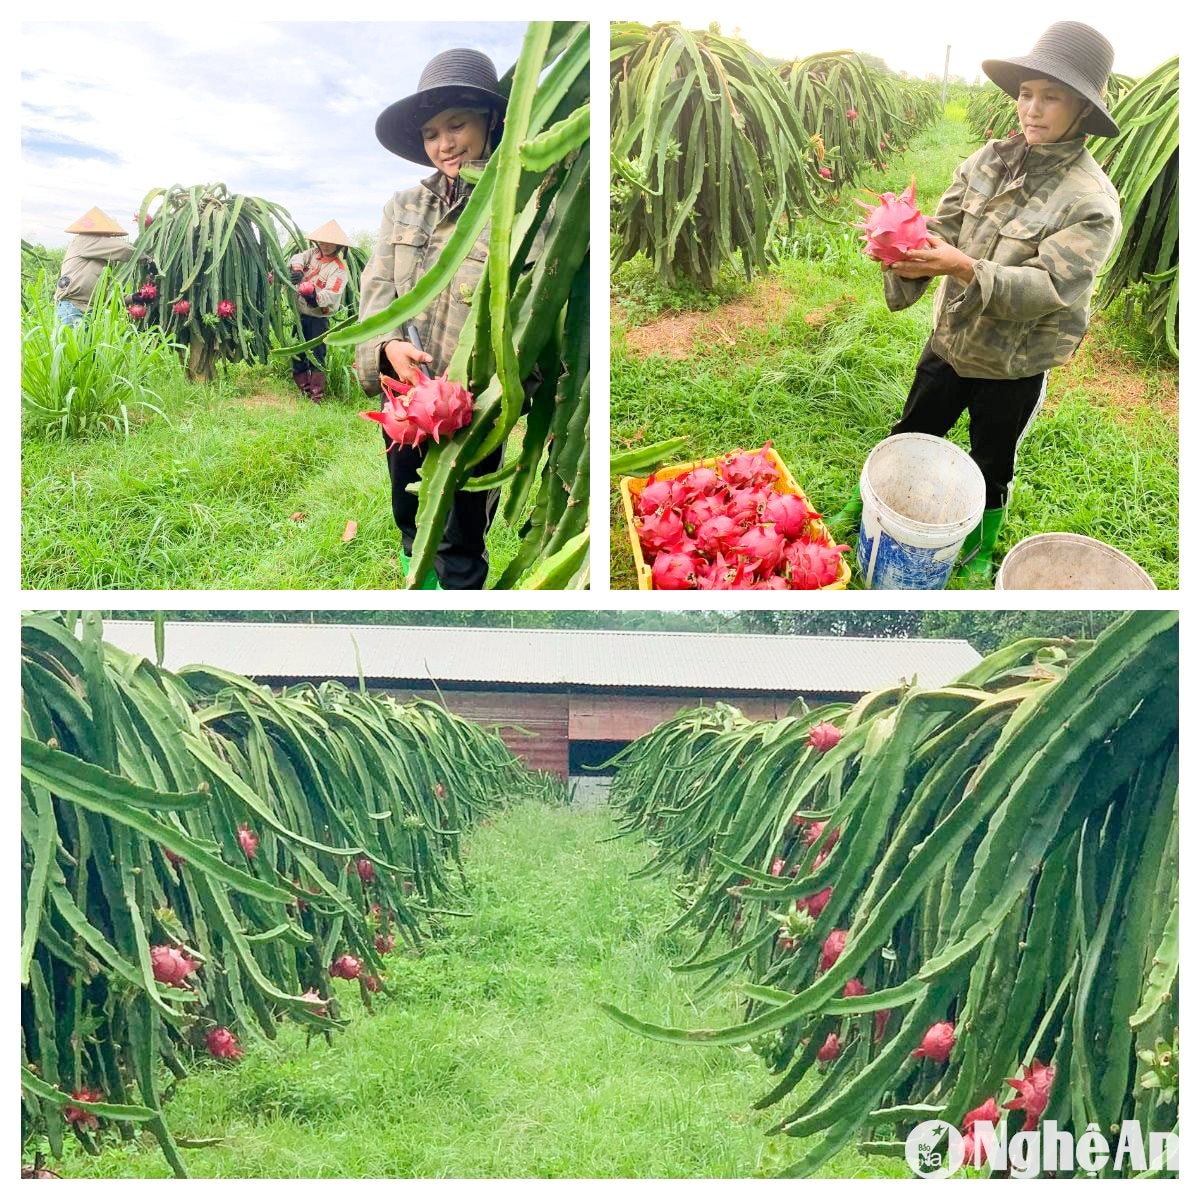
[[921, 496], [1069, 562]]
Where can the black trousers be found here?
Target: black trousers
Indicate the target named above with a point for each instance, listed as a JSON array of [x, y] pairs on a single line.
[[462, 560], [1000, 411], [311, 327]]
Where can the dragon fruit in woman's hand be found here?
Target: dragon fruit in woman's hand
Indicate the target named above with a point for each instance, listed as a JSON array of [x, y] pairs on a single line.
[[894, 225]]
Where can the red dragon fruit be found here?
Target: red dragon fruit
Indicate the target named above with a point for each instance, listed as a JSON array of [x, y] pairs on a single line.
[[777, 867], [307, 288], [248, 840], [181, 308], [394, 417], [136, 311], [831, 1048], [1033, 1092], [989, 133], [789, 513], [817, 901], [721, 575], [812, 565], [825, 172], [703, 481], [439, 790], [937, 1042], [717, 534], [854, 987], [696, 512], [176, 860], [226, 309], [852, 114], [986, 1112], [747, 504], [270, 277], [673, 572], [663, 531], [882, 1016], [170, 965], [894, 226], [366, 870], [439, 407], [761, 546], [80, 1116], [773, 583], [821, 737], [346, 967], [371, 983], [149, 291], [385, 943], [222, 1044], [832, 949], [655, 496], [748, 468]]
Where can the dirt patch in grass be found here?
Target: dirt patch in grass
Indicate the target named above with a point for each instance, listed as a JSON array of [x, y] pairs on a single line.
[[683, 334], [1108, 376]]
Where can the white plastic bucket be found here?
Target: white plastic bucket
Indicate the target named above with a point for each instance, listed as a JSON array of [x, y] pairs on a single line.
[[921, 496], [1069, 562]]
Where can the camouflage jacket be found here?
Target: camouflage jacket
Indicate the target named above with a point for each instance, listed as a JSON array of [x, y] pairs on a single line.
[[84, 260], [1040, 224], [417, 223], [328, 274]]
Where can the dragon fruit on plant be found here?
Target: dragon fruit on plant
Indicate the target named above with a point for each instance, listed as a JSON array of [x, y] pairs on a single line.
[[894, 225], [221, 1043], [226, 309], [181, 308], [170, 965], [136, 311]]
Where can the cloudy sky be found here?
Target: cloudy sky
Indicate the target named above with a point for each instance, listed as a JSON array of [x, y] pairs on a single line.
[[282, 110], [914, 38]]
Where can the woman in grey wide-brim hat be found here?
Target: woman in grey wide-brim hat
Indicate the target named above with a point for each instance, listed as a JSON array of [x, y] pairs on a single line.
[[1018, 239], [453, 120]]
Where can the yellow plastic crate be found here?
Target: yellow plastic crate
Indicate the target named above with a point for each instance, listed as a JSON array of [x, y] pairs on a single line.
[[631, 488]]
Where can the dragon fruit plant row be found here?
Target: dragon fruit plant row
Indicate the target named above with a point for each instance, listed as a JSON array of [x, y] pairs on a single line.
[[956, 903], [201, 858]]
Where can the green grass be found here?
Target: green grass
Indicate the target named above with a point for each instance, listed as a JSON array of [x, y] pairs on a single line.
[[492, 1059], [204, 497], [1102, 458]]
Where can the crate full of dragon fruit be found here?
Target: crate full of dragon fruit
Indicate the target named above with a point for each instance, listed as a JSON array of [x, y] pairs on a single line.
[[739, 521]]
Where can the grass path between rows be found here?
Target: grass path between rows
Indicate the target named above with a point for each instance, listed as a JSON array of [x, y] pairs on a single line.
[[242, 485], [492, 1059], [810, 358]]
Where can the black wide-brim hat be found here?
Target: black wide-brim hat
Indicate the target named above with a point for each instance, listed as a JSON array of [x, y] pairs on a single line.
[[1071, 53], [459, 78]]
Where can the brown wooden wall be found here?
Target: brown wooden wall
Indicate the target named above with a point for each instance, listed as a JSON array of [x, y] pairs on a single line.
[[544, 714]]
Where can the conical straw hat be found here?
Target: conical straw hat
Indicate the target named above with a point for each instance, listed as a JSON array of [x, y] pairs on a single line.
[[331, 231], [95, 221]]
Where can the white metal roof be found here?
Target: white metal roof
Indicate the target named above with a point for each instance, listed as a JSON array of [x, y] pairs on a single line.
[[588, 658]]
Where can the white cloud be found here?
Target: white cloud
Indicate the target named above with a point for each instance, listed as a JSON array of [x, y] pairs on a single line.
[[284, 110]]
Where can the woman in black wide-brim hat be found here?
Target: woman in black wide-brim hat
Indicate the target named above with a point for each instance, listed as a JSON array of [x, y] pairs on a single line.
[[453, 120], [1018, 239]]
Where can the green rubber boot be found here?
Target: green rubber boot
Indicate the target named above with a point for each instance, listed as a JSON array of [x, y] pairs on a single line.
[[428, 584], [846, 520], [975, 561]]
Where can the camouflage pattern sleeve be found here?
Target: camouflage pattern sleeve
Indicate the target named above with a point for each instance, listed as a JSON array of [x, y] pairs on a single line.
[[1060, 276], [377, 289]]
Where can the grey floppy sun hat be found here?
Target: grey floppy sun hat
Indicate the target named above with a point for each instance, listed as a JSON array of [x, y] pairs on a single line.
[[459, 78], [1068, 52]]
